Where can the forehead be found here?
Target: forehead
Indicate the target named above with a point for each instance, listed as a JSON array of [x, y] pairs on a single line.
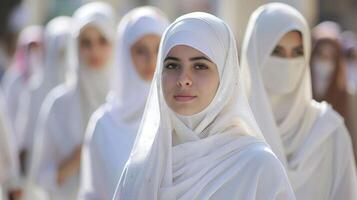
[[90, 31], [185, 51], [291, 39]]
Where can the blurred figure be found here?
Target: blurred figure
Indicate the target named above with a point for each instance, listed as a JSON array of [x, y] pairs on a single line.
[[328, 67], [112, 129], [9, 163], [56, 40], [309, 137], [27, 60], [66, 110], [349, 47]]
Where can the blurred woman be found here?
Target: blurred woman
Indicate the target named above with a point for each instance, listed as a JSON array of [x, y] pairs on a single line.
[[27, 59], [309, 138], [112, 129], [66, 111], [328, 68], [198, 138], [349, 47], [56, 38]]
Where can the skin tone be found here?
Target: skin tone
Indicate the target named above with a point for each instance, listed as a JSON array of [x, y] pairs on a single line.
[[144, 54], [69, 167], [289, 46], [190, 80], [325, 52], [94, 49]]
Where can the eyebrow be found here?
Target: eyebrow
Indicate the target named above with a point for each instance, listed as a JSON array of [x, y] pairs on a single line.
[[191, 59], [171, 58], [200, 58]]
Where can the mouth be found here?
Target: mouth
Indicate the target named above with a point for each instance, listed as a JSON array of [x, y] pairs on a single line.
[[184, 97]]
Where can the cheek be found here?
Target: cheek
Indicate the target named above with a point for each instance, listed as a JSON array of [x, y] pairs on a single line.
[[207, 85], [168, 83]]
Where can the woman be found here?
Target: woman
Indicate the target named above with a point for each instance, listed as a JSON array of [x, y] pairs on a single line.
[[112, 129], [66, 110], [328, 74], [56, 37], [309, 138], [198, 138], [27, 61]]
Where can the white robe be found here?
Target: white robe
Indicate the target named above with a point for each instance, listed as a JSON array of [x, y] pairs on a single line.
[[311, 141], [218, 153], [111, 131]]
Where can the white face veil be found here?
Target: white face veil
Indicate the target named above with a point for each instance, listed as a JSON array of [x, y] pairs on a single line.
[[151, 166], [268, 24], [129, 91]]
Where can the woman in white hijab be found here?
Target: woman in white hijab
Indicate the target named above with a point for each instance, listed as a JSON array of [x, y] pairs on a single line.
[[198, 138], [309, 138], [112, 129], [65, 112], [27, 60], [56, 37]]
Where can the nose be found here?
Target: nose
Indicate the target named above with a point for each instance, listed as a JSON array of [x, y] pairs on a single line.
[[184, 80]]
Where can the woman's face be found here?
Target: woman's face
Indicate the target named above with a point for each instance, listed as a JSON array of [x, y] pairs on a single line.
[[94, 49], [144, 54], [189, 79], [289, 46]]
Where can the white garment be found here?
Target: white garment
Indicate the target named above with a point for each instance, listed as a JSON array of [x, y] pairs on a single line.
[[66, 110], [17, 76], [311, 139], [9, 163], [112, 129], [225, 156], [57, 34]]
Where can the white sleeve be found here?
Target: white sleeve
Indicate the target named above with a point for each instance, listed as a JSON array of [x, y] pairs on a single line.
[[45, 159], [92, 183], [345, 181], [273, 182]]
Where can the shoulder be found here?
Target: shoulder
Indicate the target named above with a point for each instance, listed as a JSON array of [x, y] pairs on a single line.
[[98, 122]]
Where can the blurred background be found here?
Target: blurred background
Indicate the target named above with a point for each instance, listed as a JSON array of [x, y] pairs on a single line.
[[16, 14]]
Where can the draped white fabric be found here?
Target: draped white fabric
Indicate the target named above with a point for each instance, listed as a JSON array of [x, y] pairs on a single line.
[[66, 110], [309, 138], [225, 155], [9, 164], [112, 129], [56, 39]]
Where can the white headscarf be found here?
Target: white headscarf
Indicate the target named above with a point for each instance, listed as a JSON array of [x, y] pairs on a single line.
[[209, 155], [304, 125], [112, 129], [128, 106]]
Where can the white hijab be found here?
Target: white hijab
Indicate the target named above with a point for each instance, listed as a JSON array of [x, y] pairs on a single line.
[[56, 37], [306, 125], [127, 106], [209, 154], [93, 84]]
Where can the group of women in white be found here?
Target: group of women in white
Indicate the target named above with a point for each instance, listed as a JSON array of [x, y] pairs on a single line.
[[156, 110]]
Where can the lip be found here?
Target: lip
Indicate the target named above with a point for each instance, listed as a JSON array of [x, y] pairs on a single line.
[[184, 97]]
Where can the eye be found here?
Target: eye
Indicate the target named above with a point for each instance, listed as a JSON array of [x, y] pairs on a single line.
[[200, 66], [298, 52], [171, 66], [103, 41], [85, 43], [278, 51]]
